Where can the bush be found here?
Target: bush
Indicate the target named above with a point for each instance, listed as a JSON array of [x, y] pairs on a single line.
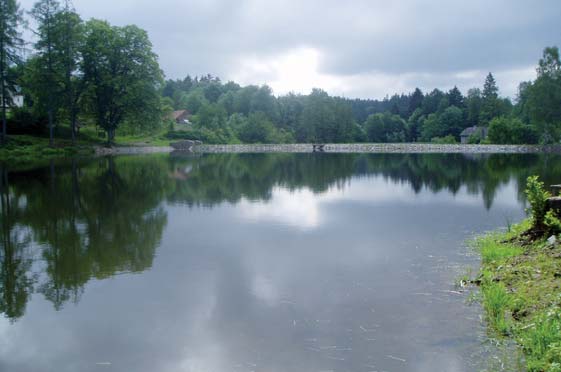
[[474, 139], [24, 121], [537, 197], [552, 223], [449, 139], [503, 130]]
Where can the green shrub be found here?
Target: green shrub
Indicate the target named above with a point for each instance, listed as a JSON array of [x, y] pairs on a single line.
[[552, 222], [537, 197], [49, 151], [449, 139], [505, 130], [474, 139]]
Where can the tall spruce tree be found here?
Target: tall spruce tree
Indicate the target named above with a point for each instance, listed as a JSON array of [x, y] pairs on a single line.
[[490, 89], [544, 97], [415, 101], [10, 42], [490, 107], [455, 97]]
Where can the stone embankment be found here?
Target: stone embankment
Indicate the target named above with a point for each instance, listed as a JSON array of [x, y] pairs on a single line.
[[131, 150], [197, 147], [380, 148]]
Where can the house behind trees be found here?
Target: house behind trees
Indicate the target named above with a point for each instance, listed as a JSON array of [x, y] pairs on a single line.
[[181, 117], [475, 132]]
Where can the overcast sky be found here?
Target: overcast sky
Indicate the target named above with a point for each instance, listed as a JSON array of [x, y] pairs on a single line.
[[355, 48]]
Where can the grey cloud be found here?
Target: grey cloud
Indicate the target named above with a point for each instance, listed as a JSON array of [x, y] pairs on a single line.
[[354, 37], [452, 37]]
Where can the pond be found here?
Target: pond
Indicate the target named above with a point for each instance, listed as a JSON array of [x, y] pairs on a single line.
[[254, 262]]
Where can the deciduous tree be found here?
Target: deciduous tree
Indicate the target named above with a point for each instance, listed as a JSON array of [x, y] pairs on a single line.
[[122, 75]]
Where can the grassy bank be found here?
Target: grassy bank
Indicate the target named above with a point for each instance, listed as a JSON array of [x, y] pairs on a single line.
[[28, 148], [520, 283]]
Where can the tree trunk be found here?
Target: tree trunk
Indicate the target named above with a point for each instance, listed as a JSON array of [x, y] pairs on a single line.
[[73, 128], [51, 134], [52, 175], [110, 136], [3, 92], [4, 124]]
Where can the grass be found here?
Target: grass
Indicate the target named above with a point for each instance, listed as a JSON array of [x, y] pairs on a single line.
[[497, 303], [492, 250], [27, 148], [521, 294], [143, 139]]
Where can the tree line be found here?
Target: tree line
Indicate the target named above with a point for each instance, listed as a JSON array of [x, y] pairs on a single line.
[[91, 73], [230, 113]]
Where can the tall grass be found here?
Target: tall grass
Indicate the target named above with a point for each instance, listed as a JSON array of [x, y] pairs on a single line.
[[497, 302], [542, 343], [492, 250]]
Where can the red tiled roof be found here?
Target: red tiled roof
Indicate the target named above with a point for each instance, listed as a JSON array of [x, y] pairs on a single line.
[[177, 114]]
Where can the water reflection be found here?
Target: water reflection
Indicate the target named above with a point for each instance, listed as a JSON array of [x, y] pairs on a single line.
[[93, 219], [15, 281], [88, 220], [268, 259]]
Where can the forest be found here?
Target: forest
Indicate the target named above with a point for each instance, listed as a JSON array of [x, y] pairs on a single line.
[[230, 113], [98, 82]]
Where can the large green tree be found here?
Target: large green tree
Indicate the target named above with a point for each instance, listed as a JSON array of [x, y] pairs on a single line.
[[455, 97], [324, 119], [10, 43], [452, 120], [415, 101], [385, 127], [543, 97], [68, 45], [122, 75], [473, 106]]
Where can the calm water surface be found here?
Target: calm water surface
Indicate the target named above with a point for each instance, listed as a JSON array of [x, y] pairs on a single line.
[[269, 262]]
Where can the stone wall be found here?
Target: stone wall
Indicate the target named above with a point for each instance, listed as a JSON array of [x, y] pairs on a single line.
[[380, 148], [190, 146]]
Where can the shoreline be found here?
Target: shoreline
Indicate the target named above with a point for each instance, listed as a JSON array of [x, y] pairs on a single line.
[[382, 148]]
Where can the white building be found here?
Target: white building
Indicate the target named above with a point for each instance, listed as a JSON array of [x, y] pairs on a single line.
[[18, 101]]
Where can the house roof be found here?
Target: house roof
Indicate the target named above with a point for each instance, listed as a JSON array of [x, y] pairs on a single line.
[[471, 130], [177, 114]]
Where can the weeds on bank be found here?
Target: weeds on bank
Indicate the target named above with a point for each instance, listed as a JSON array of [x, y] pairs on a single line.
[[497, 302], [520, 282], [28, 149]]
